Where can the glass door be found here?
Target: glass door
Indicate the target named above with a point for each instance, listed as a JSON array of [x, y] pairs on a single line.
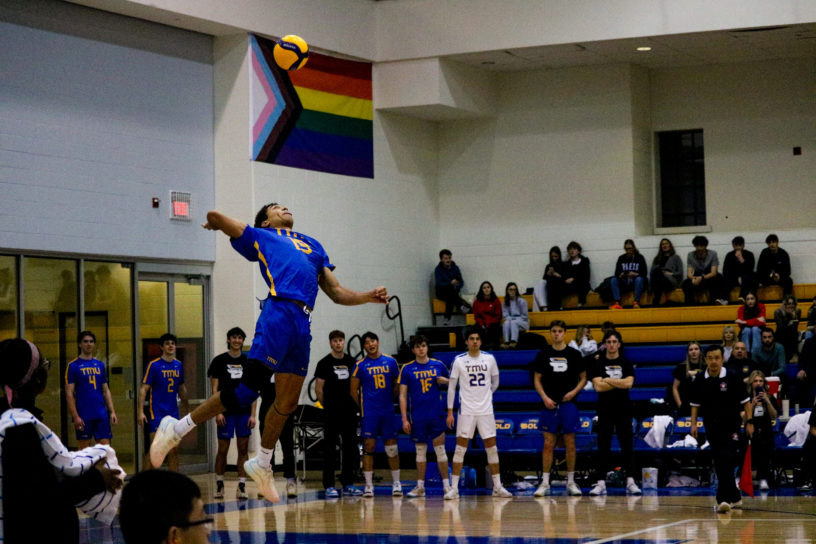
[[177, 304]]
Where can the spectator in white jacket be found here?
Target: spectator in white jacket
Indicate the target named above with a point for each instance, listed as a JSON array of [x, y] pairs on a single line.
[[514, 311]]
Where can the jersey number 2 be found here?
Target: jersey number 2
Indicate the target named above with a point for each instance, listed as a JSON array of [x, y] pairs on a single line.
[[477, 379]]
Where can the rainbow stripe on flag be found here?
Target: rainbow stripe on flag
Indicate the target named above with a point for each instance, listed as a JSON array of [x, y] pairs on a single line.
[[332, 132]]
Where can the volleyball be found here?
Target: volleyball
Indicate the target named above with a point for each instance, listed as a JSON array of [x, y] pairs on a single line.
[[291, 52]]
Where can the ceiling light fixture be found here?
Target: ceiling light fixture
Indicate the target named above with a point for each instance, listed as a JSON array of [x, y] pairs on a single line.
[[644, 48]]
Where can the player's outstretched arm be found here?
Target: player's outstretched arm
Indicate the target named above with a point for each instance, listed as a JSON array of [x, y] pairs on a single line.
[[226, 224], [341, 295]]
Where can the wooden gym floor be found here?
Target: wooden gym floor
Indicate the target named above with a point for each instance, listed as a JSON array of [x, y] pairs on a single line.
[[670, 516]]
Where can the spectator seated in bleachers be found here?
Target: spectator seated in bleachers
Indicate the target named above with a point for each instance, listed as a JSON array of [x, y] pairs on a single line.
[[487, 312], [729, 338], [738, 268], [448, 283], [810, 331], [575, 278], [787, 318], [680, 389], [516, 319], [761, 410], [702, 273], [583, 341], [770, 355], [751, 320], [666, 273], [740, 361], [550, 280], [631, 274], [774, 266]]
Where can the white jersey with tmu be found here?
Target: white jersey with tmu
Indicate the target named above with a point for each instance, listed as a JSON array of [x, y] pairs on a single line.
[[476, 376]]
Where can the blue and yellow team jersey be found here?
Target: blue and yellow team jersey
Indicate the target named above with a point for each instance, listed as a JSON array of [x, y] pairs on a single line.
[[377, 378], [164, 379], [424, 395], [290, 262], [88, 376]]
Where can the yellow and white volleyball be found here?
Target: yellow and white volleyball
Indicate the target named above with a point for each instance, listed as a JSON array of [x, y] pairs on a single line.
[[291, 52]]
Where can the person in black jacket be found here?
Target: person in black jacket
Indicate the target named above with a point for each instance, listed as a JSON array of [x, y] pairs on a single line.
[[575, 273], [774, 266], [738, 268], [31, 486], [631, 274]]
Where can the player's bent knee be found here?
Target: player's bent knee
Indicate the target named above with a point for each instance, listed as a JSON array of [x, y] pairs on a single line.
[[459, 454], [391, 450], [492, 455], [421, 453], [441, 455]]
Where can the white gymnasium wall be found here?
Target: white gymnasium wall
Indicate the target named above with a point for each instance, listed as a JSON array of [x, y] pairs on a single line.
[[99, 114], [569, 157]]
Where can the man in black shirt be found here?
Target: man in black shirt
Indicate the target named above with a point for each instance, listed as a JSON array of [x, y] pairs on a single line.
[[738, 268], [774, 266], [612, 377], [332, 381], [740, 362], [559, 377], [225, 373], [720, 396]]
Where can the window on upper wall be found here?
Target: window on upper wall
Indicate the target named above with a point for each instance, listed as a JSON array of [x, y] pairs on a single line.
[[681, 173]]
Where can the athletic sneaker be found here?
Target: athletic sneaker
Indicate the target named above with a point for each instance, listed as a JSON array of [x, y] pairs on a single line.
[[502, 492], [332, 493], [291, 489], [543, 490], [763, 485], [241, 493], [369, 491], [219, 489], [352, 491], [416, 492], [598, 490], [396, 489], [453, 493], [616, 306], [636, 304], [633, 489], [263, 477], [737, 504], [165, 440], [573, 489], [723, 508]]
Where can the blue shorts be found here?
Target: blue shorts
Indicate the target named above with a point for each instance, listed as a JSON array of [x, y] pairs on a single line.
[[283, 337], [563, 419], [425, 430], [237, 425], [384, 424], [95, 428], [153, 424]]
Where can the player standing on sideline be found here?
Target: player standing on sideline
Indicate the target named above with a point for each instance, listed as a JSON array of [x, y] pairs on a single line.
[[559, 377], [477, 374], [421, 379], [720, 395], [332, 386], [373, 384], [164, 380], [225, 372], [88, 396], [612, 377], [293, 265]]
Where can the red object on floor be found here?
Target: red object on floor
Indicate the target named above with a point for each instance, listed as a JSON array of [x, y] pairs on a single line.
[[746, 482]]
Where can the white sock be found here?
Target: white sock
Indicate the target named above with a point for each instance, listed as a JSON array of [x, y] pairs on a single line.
[[219, 477], [241, 480], [630, 481], [496, 481], [184, 426], [369, 478], [446, 485], [601, 483], [570, 477], [454, 480], [545, 478], [395, 474], [264, 456], [420, 484], [290, 480]]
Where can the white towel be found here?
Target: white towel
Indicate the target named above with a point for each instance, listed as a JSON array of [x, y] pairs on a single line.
[[657, 434], [688, 442], [797, 429], [102, 506]]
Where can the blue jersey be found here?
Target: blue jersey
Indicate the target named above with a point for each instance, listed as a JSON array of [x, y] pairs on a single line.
[[290, 262], [164, 379], [424, 396], [88, 377], [377, 378]]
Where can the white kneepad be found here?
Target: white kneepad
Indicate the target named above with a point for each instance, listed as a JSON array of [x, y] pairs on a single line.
[[441, 456], [459, 454], [392, 450], [492, 455], [421, 453]]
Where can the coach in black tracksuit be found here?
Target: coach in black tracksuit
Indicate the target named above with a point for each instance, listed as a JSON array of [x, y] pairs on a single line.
[[719, 395]]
